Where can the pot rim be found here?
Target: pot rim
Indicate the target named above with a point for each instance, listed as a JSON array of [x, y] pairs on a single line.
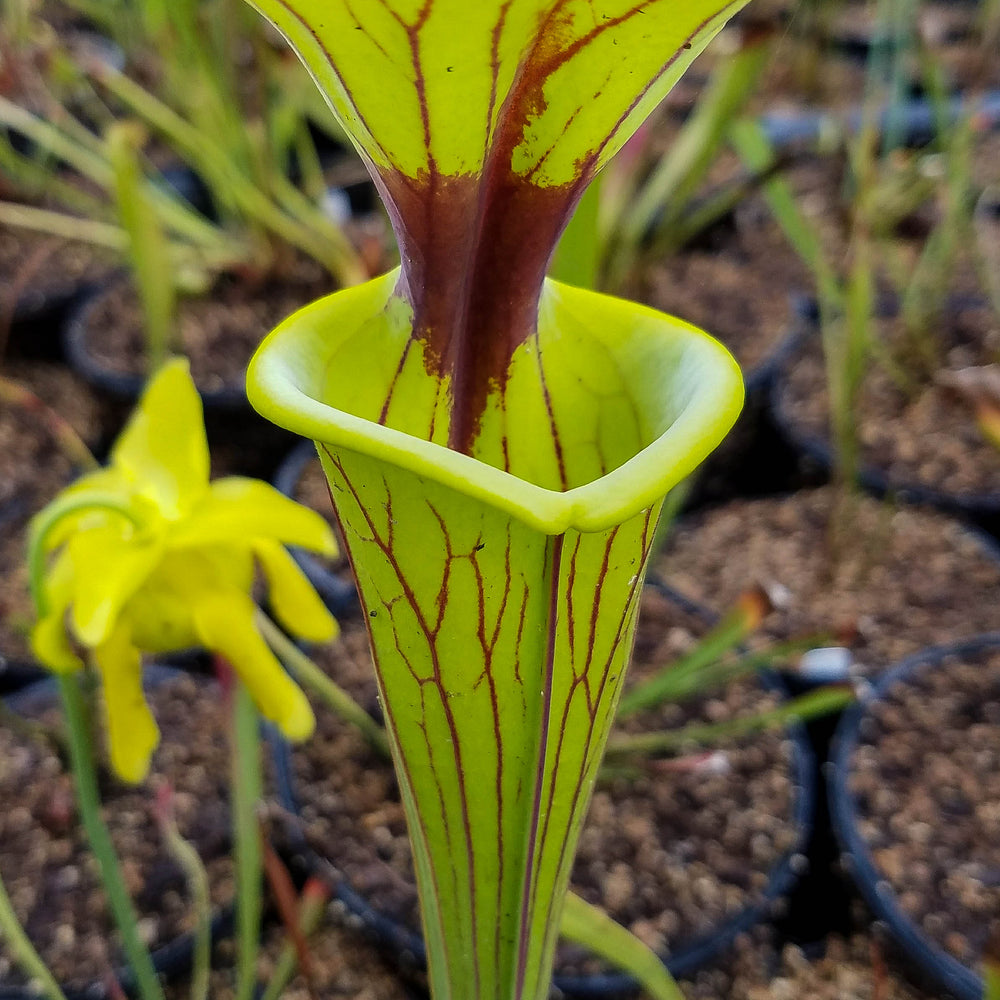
[[819, 449], [947, 971]]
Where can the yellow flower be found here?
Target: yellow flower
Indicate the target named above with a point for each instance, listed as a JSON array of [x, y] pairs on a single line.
[[151, 557]]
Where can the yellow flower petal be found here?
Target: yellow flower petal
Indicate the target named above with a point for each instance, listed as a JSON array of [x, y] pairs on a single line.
[[51, 647], [292, 598], [225, 622], [163, 449], [162, 612], [108, 570], [132, 732], [49, 641], [241, 510]]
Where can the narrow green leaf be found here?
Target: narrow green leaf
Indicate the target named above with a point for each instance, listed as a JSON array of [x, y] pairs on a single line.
[[148, 250], [22, 950], [682, 170], [594, 929], [801, 709], [681, 677], [754, 148]]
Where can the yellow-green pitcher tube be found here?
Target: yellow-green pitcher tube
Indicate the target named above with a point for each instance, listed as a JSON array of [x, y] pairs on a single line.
[[500, 589]]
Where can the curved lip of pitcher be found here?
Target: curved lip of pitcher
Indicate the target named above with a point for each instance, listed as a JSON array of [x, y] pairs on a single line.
[[279, 373]]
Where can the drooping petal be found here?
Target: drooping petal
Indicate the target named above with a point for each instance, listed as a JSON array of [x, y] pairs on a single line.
[[50, 643], [241, 510], [163, 449], [292, 598], [225, 622], [51, 647], [132, 732], [49, 640], [107, 571]]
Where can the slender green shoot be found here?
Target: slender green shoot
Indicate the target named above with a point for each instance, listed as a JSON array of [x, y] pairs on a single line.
[[148, 248], [311, 909], [660, 205], [757, 153], [196, 877], [822, 701], [89, 804], [322, 240], [591, 927], [680, 678], [22, 950], [247, 790], [59, 224]]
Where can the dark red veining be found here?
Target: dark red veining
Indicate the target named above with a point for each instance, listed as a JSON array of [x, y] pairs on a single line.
[[474, 255]]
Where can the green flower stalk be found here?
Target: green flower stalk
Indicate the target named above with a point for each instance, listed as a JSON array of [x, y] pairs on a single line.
[[498, 446]]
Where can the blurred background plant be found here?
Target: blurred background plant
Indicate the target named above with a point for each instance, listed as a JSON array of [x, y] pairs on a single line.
[[653, 200], [910, 246], [178, 136]]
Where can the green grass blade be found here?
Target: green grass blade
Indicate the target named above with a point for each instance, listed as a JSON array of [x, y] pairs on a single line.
[[595, 930]]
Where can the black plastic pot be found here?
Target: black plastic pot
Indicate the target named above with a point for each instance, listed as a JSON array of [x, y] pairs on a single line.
[[15, 675], [407, 947], [229, 418], [171, 960], [982, 509], [756, 458], [126, 386], [35, 331], [950, 975], [915, 120]]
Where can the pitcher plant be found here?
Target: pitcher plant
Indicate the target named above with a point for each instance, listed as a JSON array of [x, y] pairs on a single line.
[[497, 445]]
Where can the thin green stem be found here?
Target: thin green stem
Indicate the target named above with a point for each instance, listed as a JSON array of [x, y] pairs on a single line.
[[197, 879], [148, 246], [808, 706], [44, 522], [94, 165], [311, 909], [666, 685], [321, 240], [89, 804], [69, 227], [22, 949], [50, 138], [335, 697], [247, 791]]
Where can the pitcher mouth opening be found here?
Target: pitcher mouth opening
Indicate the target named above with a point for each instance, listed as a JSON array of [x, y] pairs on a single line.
[[682, 389]]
